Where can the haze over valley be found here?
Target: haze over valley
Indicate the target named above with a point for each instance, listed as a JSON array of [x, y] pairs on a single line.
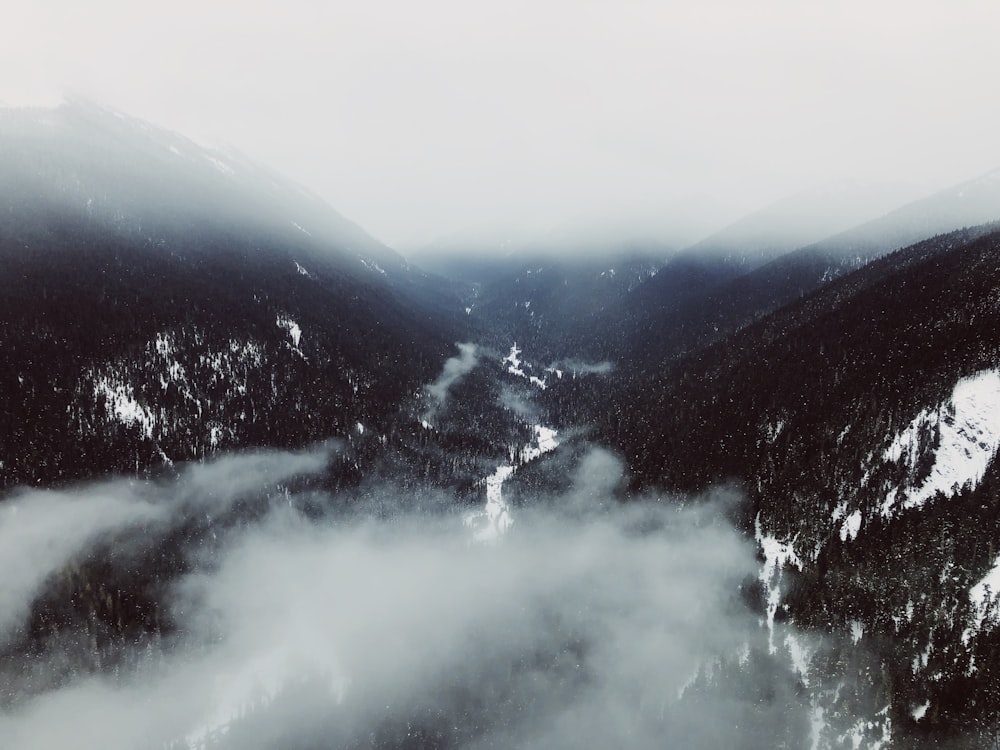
[[527, 377]]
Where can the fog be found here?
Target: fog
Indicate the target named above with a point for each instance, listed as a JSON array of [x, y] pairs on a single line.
[[575, 367], [580, 628], [41, 531], [455, 368], [517, 400], [422, 120]]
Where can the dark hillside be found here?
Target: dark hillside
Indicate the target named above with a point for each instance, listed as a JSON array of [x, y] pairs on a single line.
[[162, 302], [804, 408]]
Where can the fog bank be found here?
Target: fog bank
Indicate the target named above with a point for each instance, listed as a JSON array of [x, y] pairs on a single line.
[[579, 628]]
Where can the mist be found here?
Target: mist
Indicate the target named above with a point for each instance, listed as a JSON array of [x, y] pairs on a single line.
[[428, 124], [581, 627], [41, 531], [455, 368], [516, 400]]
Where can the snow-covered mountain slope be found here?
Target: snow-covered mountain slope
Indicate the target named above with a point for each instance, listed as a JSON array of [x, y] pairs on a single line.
[[948, 448], [164, 301], [167, 302], [863, 421]]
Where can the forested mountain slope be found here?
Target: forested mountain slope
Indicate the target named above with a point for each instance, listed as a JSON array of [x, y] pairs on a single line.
[[863, 421], [544, 305], [659, 323], [162, 301]]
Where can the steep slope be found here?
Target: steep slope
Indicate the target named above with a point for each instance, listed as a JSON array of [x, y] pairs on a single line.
[[679, 324], [545, 304], [799, 220], [967, 204], [163, 301], [862, 421], [83, 161], [576, 283]]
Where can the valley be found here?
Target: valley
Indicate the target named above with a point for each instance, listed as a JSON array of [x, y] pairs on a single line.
[[267, 483]]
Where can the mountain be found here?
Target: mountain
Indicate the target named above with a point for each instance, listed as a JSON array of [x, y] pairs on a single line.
[[545, 304], [966, 204], [166, 301], [717, 293], [659, 229], [863, 421], [798, 220], [92, 164], [580, 277], [265, 483]]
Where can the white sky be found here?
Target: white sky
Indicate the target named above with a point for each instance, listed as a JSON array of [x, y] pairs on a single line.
[[417, 119]]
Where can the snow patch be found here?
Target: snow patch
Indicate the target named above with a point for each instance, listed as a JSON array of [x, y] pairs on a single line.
[[774, 429], [776, 555], [515, 366], [286, 322], [496, 512], [372, 266], [495, 519], [301, 229], [514, 362], [544, 442], [851, 526], [122, 405], [861, 734], [968, 430], [220, 165], [857, 631]]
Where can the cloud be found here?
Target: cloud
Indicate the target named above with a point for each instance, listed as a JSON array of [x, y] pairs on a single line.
[[578, 629], [514, 399], [42, 531], [455, 368], [589, 126]]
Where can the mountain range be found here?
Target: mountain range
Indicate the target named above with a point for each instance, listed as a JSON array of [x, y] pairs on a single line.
[[168, 306]]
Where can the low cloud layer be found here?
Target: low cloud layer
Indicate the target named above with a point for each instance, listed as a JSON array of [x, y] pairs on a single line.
[[428, 124], [579, 628], [41, 531]]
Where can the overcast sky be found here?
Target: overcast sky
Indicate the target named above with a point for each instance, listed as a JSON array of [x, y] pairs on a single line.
[[421, 119]]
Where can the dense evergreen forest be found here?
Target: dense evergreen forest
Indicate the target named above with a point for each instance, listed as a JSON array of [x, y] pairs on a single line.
[[738, 485]]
